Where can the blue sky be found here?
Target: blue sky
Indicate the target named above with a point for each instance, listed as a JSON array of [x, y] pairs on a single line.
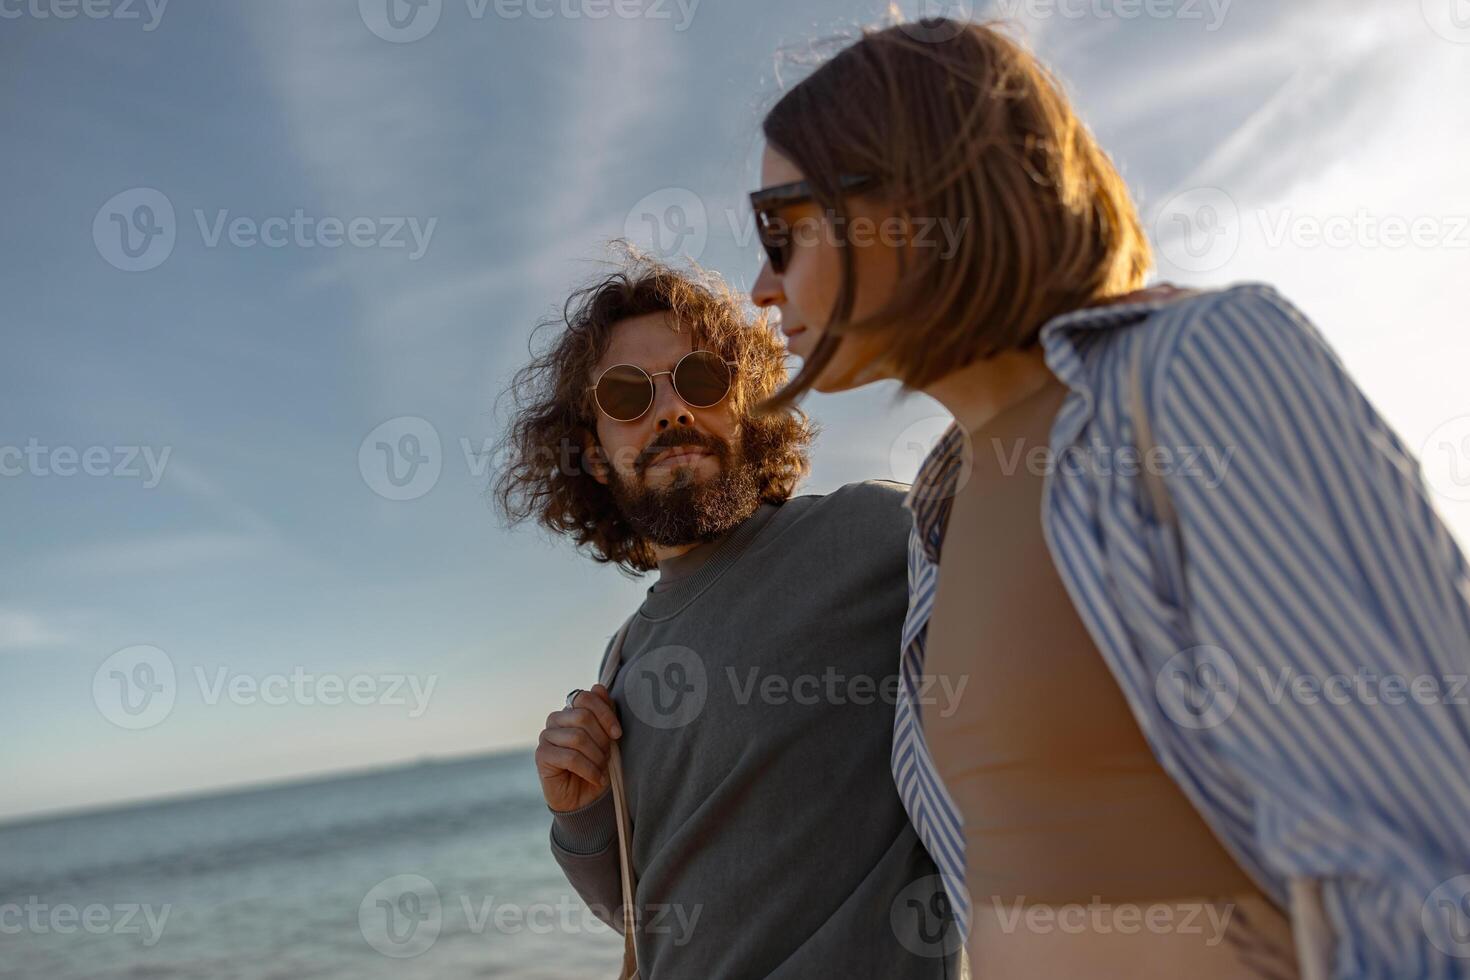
[[264, 551]]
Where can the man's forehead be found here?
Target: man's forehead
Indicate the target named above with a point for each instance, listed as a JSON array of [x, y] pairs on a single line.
[[647, 341]]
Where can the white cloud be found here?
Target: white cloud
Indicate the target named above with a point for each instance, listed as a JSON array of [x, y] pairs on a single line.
[[22, 630]]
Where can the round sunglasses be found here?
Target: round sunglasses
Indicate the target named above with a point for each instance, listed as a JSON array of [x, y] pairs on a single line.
[[624, 392]]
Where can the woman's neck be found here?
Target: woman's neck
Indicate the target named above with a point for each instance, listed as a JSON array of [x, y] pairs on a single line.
[[978, 392]]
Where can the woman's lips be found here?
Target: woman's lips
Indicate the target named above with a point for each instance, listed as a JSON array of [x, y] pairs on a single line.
[[797, 343]]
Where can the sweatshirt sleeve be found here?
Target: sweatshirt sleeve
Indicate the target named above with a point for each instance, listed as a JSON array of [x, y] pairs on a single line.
[[584, 843]]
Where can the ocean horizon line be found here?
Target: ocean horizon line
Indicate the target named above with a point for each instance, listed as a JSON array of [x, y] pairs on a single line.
[[13, 821]]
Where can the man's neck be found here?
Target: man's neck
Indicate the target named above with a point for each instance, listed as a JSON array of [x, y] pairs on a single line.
[[662, 554]]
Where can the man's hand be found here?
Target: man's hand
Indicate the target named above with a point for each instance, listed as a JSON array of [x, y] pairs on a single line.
[[573, 751]]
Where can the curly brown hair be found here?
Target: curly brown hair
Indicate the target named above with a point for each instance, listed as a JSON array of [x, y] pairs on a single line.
[[543, 474]]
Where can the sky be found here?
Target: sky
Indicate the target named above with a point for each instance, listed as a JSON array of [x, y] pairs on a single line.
[[267, 266]]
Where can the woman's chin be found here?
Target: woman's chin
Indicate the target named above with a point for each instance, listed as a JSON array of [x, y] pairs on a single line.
[[800, 345], [844, 372]]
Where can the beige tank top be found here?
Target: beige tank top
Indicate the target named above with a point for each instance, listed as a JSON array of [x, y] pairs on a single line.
[[1063, 802]]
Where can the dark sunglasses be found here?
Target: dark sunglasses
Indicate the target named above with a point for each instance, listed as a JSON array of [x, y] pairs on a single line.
[[775, 233], [701, 379]]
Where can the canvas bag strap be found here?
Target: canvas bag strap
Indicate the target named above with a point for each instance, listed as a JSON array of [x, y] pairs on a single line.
[[610, 667]]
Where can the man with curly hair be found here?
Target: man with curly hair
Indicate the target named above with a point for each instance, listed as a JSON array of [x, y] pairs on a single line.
[[754, 705]]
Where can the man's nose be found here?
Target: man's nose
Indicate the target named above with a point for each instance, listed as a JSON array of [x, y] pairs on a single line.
[[669, 410]]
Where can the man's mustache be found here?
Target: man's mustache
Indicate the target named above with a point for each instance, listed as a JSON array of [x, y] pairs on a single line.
[[680, 437]]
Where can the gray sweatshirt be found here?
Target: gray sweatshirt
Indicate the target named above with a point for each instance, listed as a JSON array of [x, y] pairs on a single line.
[[756, 699]]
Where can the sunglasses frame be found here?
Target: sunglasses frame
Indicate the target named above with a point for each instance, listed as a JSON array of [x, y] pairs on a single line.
[[653, 384], [767, 201]]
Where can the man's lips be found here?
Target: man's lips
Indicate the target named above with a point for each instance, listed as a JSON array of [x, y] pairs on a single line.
[[677, 454], [792, 331]]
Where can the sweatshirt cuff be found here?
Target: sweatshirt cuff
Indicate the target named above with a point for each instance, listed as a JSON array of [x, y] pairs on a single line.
[[586, 831]]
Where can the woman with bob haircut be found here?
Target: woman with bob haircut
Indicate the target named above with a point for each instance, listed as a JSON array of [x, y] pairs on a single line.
[[1175, 549]]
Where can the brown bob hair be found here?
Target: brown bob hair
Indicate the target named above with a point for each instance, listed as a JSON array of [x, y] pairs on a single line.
[[543, 472], [956, 122]]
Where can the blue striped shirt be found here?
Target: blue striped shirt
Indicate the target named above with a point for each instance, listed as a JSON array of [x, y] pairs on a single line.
[[1294, 642]]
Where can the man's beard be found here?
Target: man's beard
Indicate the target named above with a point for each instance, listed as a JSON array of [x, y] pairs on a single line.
[[688, 511]]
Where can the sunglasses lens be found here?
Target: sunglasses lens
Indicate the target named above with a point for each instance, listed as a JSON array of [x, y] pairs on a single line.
[[774, 239], [624, 392], [777, 255], [702, 379]]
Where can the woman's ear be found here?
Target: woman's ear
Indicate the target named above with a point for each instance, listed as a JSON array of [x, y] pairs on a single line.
[[594, 459]]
